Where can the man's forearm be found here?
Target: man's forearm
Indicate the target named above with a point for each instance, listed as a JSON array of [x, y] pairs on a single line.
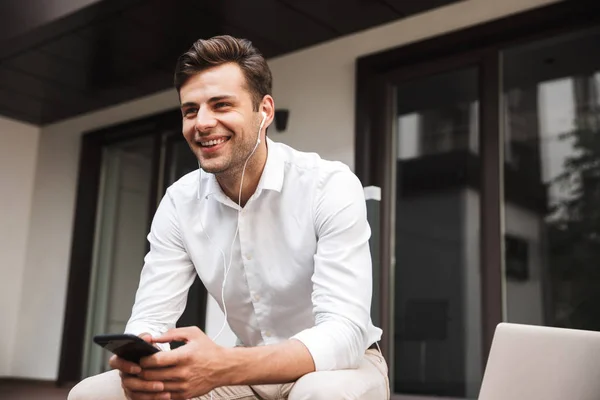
[[280, 363]]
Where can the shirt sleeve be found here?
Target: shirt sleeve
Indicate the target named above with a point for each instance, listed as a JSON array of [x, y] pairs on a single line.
[[342, 278], [166, 276]]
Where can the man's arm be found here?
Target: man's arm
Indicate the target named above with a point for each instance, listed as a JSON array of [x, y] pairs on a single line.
[[166, 276], [277, 363], [342, 290], [342, 278], [201, 365]]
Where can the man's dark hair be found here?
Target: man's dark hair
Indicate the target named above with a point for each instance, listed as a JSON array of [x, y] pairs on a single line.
[[218, 50]]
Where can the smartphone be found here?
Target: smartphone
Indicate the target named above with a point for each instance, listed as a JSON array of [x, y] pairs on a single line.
[[128, 347]]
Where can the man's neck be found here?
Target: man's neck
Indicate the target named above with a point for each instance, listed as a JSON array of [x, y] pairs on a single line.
[[230, 181]]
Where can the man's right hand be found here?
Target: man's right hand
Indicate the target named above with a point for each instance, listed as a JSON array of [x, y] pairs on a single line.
[[135, 387]]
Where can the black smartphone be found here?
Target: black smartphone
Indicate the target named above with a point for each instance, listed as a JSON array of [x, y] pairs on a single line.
[[128, 347]]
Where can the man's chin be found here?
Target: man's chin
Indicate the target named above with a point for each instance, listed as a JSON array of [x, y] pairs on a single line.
[[212, 168]]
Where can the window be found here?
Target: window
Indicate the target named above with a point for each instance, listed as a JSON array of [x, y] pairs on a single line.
[[486, 145], [436, 317], [552, 180]]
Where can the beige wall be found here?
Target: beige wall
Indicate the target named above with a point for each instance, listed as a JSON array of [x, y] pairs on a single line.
[[18, 153], [316, 84]]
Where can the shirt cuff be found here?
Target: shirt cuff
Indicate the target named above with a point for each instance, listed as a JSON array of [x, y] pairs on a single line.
[[323, 353], [139, 328]]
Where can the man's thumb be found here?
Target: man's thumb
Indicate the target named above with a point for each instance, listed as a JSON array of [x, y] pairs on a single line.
[[146, 336]]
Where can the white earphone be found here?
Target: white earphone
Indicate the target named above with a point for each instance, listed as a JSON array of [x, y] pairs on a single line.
[[264, 114], [226, 267]]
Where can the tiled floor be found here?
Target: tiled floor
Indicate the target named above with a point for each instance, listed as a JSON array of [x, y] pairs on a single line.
[[31, 391]]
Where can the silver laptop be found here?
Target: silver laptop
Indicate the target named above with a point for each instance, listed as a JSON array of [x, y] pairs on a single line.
[[541, 363]]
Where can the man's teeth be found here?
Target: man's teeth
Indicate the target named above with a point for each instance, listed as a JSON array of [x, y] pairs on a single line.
[[213, 142]]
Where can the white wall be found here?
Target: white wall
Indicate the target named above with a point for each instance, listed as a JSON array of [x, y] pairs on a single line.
[[47, 262], [316, 84], [18, 153]]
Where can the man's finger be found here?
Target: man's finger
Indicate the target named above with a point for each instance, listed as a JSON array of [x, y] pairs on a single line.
[[124, 365], [162, 359], [146, 337], [176, 387], [161, 374], [135, 384], [177, 335]]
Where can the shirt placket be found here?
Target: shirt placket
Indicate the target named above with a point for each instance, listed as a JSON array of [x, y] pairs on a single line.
[[247, 248]]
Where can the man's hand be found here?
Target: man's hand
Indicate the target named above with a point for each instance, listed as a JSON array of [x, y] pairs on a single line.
[[191, 370], [136, 388]]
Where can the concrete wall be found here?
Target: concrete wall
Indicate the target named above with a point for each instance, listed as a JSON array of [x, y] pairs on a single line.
[[316, 84], [18, 153]]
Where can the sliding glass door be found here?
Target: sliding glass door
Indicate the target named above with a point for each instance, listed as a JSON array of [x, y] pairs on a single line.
[[135, 174], [552, 181], [488, 157], [436, 315]]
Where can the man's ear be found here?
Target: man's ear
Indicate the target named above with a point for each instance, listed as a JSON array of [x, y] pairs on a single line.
[[267, 106]]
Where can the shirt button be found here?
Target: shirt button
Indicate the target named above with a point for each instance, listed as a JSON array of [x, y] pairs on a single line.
[[268, 334], [256, 297], [248, 256]]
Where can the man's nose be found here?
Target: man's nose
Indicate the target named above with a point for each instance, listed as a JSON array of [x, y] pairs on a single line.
[[205, 120]]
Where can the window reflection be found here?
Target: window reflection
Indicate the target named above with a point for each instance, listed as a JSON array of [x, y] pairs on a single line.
[[552, 181], [437, 299]]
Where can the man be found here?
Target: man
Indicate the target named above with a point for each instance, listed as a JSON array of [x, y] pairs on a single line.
[[278, 237]]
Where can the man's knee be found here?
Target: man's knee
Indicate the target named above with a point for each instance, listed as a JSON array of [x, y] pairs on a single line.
[[365, 383], [106, 386], [80, 391]]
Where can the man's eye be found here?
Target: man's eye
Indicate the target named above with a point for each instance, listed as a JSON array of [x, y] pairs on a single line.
[[189, 111], [222, 104]]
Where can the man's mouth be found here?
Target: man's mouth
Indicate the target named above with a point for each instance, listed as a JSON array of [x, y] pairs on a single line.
[[214, 142]]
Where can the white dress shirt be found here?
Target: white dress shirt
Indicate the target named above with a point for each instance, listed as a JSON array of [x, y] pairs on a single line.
[[300, 264]]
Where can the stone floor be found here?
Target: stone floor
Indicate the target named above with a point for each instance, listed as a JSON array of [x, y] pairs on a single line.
[[19, 390]]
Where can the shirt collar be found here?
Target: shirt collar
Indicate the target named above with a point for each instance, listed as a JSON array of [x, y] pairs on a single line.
[[271, 178]]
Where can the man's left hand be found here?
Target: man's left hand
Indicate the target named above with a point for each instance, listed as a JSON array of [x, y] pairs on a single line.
[[189, 371]]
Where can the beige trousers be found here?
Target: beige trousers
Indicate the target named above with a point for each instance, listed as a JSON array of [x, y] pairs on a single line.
[[368, 382]]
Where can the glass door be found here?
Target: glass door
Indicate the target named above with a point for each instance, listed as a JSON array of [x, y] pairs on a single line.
[[120, 243], [135, 176], [436, 327], [551, 107]]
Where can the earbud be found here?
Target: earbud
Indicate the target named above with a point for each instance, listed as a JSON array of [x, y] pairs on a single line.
[[264, 114]]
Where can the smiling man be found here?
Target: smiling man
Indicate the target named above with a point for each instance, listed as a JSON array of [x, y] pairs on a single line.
[[278, 237]]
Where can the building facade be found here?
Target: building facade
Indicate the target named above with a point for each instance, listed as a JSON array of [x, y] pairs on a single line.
[[478, 120]]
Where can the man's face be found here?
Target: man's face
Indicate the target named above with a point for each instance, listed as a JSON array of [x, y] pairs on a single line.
[[219, 123]]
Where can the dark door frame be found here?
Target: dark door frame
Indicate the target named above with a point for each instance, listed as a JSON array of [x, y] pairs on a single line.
[[88, 186], [482, 46]]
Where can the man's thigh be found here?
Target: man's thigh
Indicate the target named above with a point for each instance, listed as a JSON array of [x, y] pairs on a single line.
[[230, 393], [368, 382], [107, 386]]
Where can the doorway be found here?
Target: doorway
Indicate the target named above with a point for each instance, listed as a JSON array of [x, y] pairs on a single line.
[[135, 174], [485, 158]]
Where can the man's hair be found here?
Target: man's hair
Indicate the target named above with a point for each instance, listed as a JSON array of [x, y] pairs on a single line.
[[219, 50]]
